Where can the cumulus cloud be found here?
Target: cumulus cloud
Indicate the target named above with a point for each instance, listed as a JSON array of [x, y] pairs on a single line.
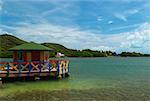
[[138, 40], [73, 37], [68, 36], [104, 48]]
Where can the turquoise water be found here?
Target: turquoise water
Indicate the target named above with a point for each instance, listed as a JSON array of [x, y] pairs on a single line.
[[100, 79], [114, 72], [110, 72]]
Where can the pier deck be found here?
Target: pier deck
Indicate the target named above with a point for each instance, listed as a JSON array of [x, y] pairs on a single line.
[[34, 68]]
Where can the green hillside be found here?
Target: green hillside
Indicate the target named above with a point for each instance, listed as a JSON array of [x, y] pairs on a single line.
[[6, 42], [57, 48]]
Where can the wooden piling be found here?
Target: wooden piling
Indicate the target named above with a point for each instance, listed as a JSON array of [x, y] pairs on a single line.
[[0, 81]]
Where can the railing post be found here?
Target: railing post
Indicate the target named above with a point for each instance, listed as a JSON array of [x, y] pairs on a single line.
[[7, 69], [68, 66], [29, 69], [19, 69], [58, 69], [49, 66], [40, 68], [62, 71], [57, 64]]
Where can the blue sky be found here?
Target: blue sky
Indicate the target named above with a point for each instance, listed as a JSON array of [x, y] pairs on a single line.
[[118, 25]]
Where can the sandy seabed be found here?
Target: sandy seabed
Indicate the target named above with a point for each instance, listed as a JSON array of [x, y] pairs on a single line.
[[110, 94]]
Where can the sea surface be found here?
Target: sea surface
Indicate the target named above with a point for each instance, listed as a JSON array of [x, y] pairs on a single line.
[[130, 73], [111, 72], [107, 72]]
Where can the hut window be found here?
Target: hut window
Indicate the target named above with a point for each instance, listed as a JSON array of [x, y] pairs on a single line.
[[19, 55]]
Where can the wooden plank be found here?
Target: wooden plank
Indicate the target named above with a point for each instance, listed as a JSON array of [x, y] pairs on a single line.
[[24, 56], [28, 56], [15, 56], [25, 73], [42, 56]]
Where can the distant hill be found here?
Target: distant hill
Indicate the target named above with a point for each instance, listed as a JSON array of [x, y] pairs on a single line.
[[6, 42], [9, 41], [58, 48]]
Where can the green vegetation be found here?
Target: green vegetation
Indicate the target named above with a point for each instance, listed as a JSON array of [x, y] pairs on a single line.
[[132, 54], [9, 41], [6, 42]]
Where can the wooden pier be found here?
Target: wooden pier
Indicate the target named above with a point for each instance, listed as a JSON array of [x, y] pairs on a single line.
[[55, 68]]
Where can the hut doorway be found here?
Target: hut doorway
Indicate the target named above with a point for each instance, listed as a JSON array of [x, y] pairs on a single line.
[[35, 55]]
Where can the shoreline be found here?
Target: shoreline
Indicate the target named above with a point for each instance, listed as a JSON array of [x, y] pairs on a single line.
[[94, 57]]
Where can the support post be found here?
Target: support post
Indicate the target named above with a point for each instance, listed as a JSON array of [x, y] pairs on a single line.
[[63, 71], [58, 68], [49, 66], [68, 67], [29, 69], [1, 81], [57, 64], [19, 69], [40, 67], [8, 69]]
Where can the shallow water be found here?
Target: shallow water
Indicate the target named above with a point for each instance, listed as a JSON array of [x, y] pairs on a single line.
[[94, 73]]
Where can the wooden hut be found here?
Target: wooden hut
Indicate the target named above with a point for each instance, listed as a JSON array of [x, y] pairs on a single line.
[[32, 60], [30, 52]]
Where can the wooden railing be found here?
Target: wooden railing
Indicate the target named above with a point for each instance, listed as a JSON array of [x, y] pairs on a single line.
[[59, 66]]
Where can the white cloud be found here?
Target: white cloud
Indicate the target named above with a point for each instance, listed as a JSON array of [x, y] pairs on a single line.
[[121, 16], [1, 31], [59, 7], [138, 40], [72, 37], [125, 27], [99, 18], [132, 11], [104, 48], [110, 22], [124, 15], [4, 32]]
